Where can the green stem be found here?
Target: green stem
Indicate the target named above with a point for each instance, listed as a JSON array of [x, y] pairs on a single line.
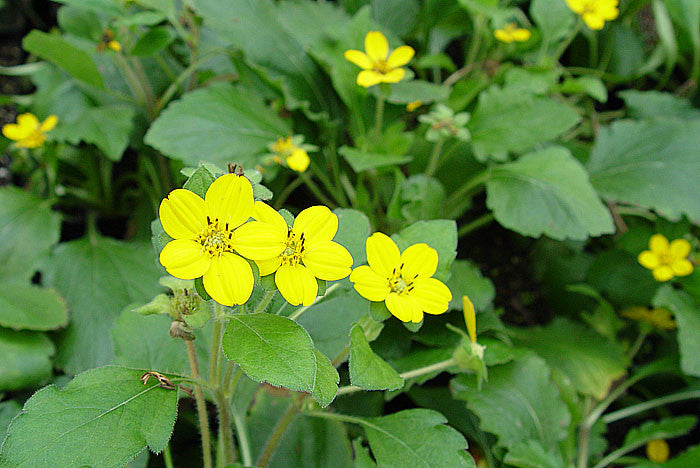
[[458, 197], [175, 85], [215, 356], [225, 425], [378, 118], [475, 46], [300, 311], [565, 44], [584, 435], [201, 407], [647, 405], [242, 434], [168, 457], [316, 190], [438, 366], [634, 349], [287, 191], [434, 158], [276, 436], [265, 301], [476, 224]]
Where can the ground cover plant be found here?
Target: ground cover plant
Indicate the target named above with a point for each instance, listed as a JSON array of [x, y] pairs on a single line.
[[353, 233]]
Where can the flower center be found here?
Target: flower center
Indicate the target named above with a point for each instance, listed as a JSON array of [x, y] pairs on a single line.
[[294, 249], [382, 67], [399, 284], [215, 238]]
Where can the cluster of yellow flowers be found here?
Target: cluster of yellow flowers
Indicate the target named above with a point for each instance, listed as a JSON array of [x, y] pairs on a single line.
[[289, 151], [214, 236], [28, 132]]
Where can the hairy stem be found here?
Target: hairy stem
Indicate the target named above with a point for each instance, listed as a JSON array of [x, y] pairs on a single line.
[[265, 301], [224, 409], [280, 429], [201, 407], [434, 158]]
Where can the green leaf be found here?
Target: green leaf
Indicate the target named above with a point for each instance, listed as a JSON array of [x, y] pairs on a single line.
[[199, 181], [686, 312], [518, 403], [107, 127], [467, 280], [367, 369], [219, 124], [362, 458], [666, 428], [554, 19], [592, 86], [416, 438], [26, 359], [8, 410], [329, 321], [655, 104], [361, 160], [530, 454], [141, 18], [547, 192], [404, 92], [155, 40], [98, 277], [507, 120], [440, 234], [64, 55], [591, 361], [30, 307], [327, 379], [104, 417], [353, 231], [399, 16], [29, 228], [651, 164], [423, 197], [273, 349]]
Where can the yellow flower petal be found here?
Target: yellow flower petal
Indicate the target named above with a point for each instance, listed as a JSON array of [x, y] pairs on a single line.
[[648, 259], [183, 214], [404, 308], [328, 261], [376, 46], [28, 120], [265, 213], [503, 36], [299, 160], [469, 317], [268, 266], [369, 78], [593, 21], [16, 132], [432, 295], [369, 284], [521, 35], [419, 260], [394, 76], [296, 284], [230, 199], [229, 280], [577, 6], [317, 223], [658, 244], [662, 273], [184, 259], [382, 254], [679, 248], [258, 241], [682, 267], [49, 123], [400, 56], [359, 58]]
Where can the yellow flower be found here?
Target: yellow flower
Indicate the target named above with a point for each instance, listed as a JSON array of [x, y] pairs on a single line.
[[511, 32], [207, 232], [28, 132], [658, 451], [657, 317], [666, 260], [402, 280], [378, 66], [469, 317], [115, 46], [295, 156], [595, 12], [303, 252], [411, 106]]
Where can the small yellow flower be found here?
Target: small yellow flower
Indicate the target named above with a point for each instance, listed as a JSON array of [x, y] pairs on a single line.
[[28, 132], [657, 317], [411, 106], [208, 232], [303, 252], [658, 451], [115, 46], [402, 280], [469, 317], [512, 33], [595, 12], [666, 260], [296, 157], [378, 66]]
